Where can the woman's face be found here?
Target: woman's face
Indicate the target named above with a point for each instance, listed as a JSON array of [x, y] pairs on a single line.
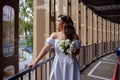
[[59, 24]]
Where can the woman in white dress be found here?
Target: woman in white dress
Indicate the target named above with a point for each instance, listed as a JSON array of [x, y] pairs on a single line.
[[65, 66]]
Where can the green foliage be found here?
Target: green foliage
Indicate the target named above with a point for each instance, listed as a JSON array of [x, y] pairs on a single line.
[[26, 20]]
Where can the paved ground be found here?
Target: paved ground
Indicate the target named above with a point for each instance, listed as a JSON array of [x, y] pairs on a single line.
[[101, 69]]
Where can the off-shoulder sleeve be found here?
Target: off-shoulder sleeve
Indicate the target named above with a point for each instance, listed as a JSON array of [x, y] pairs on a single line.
[[50, 41], [77, 43]]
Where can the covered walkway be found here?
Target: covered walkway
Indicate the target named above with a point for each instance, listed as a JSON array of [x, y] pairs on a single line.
[[97, 23]]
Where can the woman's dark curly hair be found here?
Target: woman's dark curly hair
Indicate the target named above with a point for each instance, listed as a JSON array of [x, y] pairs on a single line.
[[69, 28]]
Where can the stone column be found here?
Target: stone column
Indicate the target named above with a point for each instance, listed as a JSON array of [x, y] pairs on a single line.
[[75, 14], [41, 28], [89, 27], [62, 7], [94, 28], [83, 24]]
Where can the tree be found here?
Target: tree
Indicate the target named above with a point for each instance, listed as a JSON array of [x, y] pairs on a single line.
[[26, 20]]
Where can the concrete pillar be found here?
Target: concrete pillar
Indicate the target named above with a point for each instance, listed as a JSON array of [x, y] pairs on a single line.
[[62, 7], [90, 27], [83, 24], [94, 28], [112, 31], [119, 34], [104, 31], [99, 30], [108, 31], [41, 27], [75, 13]]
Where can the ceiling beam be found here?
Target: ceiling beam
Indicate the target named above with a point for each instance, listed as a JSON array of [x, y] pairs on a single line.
[[113, 19], [105, 7], [108, 9], [113, 12], [111, 16], [101, 2]]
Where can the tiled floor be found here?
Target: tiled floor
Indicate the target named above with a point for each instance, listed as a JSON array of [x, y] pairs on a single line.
[[101, 69]]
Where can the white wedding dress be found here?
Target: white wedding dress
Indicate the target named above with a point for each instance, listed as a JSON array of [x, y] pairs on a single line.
[[64, 67]]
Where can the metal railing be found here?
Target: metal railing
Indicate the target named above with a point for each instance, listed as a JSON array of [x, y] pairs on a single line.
[[27, 74], [88, 54]]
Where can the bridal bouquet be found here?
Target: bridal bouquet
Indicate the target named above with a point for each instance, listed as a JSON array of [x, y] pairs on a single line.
[[66, 46]]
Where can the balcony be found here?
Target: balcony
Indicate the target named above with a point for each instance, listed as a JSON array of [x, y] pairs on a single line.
[[88, 56]]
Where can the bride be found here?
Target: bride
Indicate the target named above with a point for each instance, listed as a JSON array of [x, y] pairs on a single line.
[[65, 66]]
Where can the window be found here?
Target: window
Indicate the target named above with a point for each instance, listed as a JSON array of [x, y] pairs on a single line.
[[8, 31]]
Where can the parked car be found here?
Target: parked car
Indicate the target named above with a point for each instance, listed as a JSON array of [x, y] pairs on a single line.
[[28, 49]]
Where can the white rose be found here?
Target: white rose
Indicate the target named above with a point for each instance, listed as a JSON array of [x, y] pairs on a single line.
[[71, 47], [67, 40], [67, 44], [61, 49], [69, 51]]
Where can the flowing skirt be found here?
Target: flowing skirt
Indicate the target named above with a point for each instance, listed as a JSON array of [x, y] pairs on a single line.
[[65, 68]]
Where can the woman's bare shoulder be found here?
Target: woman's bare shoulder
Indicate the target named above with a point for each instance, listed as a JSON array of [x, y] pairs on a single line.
[[53, 35]]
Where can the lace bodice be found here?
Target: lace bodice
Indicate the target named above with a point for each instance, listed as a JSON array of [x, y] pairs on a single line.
[[54, 43]]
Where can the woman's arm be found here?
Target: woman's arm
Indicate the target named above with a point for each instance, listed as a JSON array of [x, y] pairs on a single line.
[[76, 51], [42, 53]]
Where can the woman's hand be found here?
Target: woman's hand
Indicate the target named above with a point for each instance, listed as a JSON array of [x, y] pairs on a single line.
[[32, 66], [76, 52]]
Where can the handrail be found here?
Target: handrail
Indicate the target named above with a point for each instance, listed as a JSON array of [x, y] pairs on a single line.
[[27, 70], [40, 64]]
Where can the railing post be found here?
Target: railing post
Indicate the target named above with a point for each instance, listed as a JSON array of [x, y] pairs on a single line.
[[84, 55], [95, 50]]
